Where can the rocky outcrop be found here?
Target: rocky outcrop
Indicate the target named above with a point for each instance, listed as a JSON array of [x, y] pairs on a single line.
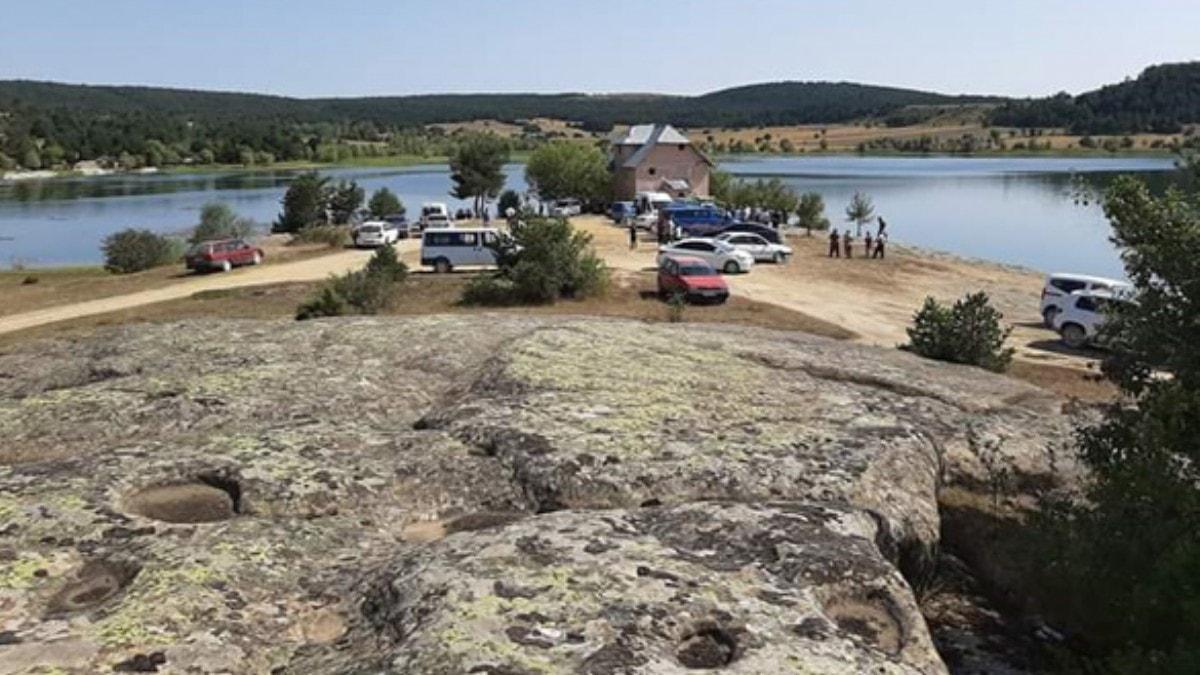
[[486, 494]]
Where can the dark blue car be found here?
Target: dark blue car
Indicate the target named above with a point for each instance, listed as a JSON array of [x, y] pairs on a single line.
[[619, 211], [697, 220], [765, 231]]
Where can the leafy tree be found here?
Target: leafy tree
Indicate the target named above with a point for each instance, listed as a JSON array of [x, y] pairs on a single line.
[[561, 170], [218, 221], [344, 200], [811, 212], [384, 202], [860, 211], [304, 203], [477, 168], [509, 199], [970, 332], [546, 259], [720, 186], [133, 250], [1136, 535], [31, 159]]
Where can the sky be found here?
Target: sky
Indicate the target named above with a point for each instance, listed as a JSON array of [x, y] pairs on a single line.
[[394, 47]]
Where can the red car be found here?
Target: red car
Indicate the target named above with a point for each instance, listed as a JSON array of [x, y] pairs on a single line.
[[695, 279], [222, 255]]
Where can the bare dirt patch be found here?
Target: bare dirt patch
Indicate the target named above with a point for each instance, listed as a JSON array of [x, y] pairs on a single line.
[[194, 502]]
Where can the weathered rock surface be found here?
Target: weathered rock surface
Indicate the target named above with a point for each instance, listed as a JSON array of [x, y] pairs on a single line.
[[502, 494]]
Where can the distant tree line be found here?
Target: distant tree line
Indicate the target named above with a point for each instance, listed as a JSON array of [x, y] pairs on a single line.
[[1161, 100]]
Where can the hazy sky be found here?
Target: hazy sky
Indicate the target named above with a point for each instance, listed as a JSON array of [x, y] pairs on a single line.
[[376, 47]]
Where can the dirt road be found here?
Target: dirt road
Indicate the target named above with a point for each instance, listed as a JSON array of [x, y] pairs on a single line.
[[873, 298], [311, 269]]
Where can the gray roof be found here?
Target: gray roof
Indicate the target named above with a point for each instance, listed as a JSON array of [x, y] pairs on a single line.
[[641, 134], [652, 135]]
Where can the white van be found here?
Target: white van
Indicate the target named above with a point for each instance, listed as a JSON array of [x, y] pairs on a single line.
[[1059, 287], [434, 214], [651, 202], [443, 249]]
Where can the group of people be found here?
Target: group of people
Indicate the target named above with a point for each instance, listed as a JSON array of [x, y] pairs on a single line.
[[843, 244]]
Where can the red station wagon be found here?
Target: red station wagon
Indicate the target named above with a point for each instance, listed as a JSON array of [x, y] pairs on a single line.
[[694, 278], [222, 255]]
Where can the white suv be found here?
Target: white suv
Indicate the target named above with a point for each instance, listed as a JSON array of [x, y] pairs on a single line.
[[1082, 316], [376, 233], [716, 253], [1060, 286]]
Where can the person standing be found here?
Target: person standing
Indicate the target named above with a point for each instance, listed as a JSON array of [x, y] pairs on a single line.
[[834, 250], [867, 243], [847, 244], [878, 252], [882, 227], [632, 235]]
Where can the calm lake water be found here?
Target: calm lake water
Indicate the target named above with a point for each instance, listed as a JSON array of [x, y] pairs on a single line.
[[1013, 210]]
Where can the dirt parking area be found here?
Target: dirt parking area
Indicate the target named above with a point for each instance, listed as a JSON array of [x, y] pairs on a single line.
[[873, 298]]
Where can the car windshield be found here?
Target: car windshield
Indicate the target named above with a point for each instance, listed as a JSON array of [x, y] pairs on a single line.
[[696, 270], [373, 229], [198, 249]]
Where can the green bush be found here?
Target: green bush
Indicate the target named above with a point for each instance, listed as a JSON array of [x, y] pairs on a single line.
[[134, 250], [333, 236], [366, 291], [488, 290], [968, 332], [509, 199], [546, 259], [218, 221], [384, 202]]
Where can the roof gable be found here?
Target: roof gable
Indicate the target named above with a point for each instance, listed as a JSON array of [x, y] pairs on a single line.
[[641, 134]]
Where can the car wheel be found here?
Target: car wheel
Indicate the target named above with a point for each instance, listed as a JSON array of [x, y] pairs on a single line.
[[1074, 336], [1048, 315], [777, 258], [441, 266], [731, 267], [226, 266], [257, 259]]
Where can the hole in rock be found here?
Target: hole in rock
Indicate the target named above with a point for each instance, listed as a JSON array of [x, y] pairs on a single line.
[[709, 646], [208, 499], [95, 583]]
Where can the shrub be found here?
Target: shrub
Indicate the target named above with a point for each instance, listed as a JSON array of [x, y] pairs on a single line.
[[134, 250], [488, 291], [384, 202], [509, 199], [968, 332], [29, 280], [366, 291], [546, 259], [218, 221], [675, 306], [333, 236]]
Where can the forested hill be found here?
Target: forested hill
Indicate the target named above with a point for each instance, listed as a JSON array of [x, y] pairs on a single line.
[[782, 103], [1162, 99]]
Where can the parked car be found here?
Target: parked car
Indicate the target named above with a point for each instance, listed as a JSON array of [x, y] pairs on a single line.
[[765, 231], [697, 220], [1082, 316], [376, 233], [1059, 286], [755, 245], [692, 277], [443, 249], [434, 214], [223, 254], [716, 253], [619, 211], [565, 208], [404, 228]]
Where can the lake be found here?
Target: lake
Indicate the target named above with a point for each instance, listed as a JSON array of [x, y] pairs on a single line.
[[1016, 210]]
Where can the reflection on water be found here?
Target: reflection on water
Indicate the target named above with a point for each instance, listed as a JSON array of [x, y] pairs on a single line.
[[1017, 210]]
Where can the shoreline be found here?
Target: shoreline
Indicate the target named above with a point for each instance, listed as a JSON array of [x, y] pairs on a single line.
[[398, 161]]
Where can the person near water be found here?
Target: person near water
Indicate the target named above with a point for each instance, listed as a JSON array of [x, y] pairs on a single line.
[[882, 227], [878, 252], [632, 235], [834, 250], [847, 244], [867, 243]]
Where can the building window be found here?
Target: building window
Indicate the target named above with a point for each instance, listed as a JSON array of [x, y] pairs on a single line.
[[651, 171], [681, 147]]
